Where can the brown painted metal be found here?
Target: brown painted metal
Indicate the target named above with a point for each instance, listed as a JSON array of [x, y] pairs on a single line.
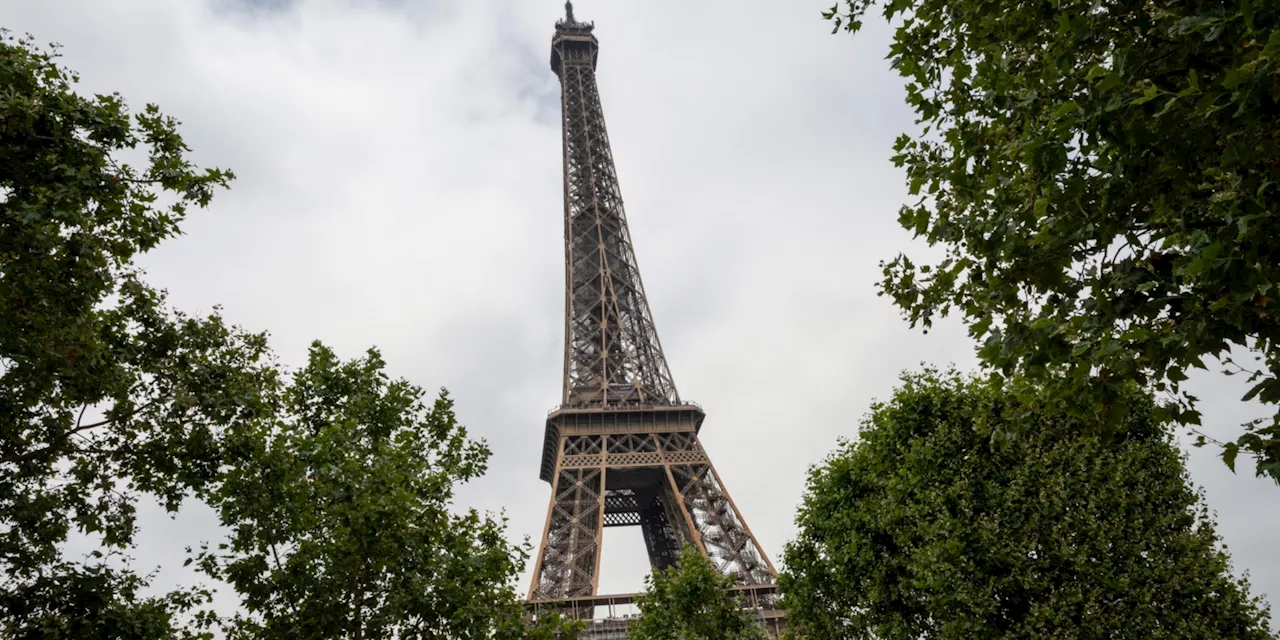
[[696, 540], [546, 527], [604, 464], [622, 449], [745, 526]]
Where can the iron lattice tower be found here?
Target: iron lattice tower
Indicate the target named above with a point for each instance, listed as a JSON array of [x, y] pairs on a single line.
[[622, 449]]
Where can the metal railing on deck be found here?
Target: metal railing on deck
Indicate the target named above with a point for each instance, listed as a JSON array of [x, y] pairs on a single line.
[[649, 406], [609, 616]]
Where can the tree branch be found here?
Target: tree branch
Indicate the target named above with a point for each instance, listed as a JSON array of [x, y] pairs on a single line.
[[104, 423], [63, 439]]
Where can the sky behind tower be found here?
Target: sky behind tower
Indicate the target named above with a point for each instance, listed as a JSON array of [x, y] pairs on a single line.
[[399, 185]]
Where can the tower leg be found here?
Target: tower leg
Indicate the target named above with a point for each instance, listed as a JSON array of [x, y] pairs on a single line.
[[719, 527], [568, 557]]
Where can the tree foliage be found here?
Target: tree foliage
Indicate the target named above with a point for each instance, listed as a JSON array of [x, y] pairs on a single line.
[[1102, 176], [341, 520], [100, 601], [932, 525], [105, 393], [550, 626], [691, 601]]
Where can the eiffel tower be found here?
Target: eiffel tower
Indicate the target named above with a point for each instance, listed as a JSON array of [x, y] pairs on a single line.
[[622, 449]]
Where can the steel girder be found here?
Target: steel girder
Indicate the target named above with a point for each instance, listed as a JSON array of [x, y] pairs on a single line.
[[612, 353]]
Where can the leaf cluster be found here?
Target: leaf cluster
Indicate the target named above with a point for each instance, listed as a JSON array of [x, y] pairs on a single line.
[[105, 393], [98, 601], [936, 525], [340, 515], [691, 601], [1103, 178]]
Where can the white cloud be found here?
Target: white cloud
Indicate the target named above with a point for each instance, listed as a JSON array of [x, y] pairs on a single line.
[[399, 185]]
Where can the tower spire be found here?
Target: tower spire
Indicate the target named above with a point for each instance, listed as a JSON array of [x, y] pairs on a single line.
[[568, 12], [612, 354]]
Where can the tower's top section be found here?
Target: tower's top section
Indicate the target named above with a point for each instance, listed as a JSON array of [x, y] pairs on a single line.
[[613, 360], [573, 38], [569, 20]]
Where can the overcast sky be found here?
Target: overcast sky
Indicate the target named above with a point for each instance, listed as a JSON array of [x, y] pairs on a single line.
[[398, 168]]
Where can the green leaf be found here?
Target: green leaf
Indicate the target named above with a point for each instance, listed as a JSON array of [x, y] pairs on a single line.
[[1229, 452], [1272, 50], [1065, 108], [980, 328], [1253, 392], [1148, 95]]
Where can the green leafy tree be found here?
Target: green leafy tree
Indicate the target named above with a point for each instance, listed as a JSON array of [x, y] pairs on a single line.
[[547, 626], [932, 525], [106, 395], [691, 601], [1102, 178], [341, 523], [99, 601]]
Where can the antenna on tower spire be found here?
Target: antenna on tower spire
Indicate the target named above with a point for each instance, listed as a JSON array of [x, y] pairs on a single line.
[[568, 12]]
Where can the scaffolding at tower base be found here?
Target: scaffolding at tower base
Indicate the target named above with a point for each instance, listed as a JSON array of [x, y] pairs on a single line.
[[609, 617]]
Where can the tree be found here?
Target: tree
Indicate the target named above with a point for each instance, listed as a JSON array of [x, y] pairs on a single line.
[[340, 516], [99, 601], [932, 525], [691, 601], [549, 626], [106, 395], [1102, 177]]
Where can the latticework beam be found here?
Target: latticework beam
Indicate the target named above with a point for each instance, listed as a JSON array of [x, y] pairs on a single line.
[[612, 353], [675, 496]]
